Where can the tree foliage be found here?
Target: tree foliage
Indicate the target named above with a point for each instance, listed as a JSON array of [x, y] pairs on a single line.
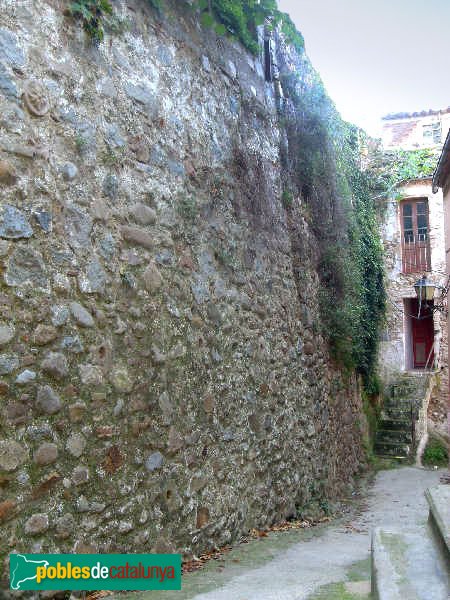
[[390, 168]]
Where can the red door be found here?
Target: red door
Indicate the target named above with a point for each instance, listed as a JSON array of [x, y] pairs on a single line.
[[422, 336]]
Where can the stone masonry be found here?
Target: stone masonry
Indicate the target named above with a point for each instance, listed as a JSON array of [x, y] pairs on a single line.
[[394, 347], [163, 383]]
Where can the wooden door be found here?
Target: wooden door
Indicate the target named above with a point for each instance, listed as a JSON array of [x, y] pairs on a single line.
[[422, 336]]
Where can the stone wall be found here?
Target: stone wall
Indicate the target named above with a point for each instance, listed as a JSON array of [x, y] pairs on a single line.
[[394, 346], [164, 382]]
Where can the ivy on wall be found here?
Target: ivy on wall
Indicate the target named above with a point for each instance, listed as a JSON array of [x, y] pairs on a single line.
[[235, 18], [240, 19], [391, 167], [92, 14], [353, 300], [325, 168]]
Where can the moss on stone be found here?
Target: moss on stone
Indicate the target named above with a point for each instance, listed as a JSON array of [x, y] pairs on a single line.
[[336, 591]]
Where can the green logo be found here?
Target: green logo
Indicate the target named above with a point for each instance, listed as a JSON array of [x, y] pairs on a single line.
[[95, 572]]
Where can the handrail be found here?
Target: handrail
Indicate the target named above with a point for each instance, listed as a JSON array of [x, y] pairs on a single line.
[[412, 411], [429, 356]]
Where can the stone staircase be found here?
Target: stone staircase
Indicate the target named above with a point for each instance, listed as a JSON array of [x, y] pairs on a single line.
[[396, 435], [414, 564]]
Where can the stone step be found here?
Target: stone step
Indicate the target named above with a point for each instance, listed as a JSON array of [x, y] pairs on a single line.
[[438, 499], [407, 399], [393, 435], [405, 395], [397, 424], [403, 408], [399, 405], [407, 565], [396, 413], [392, 449]]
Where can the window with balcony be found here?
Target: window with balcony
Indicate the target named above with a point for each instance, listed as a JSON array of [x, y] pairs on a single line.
[[415, 236]]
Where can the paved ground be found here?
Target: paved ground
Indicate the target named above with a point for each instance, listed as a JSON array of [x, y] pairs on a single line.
[[327, 563]]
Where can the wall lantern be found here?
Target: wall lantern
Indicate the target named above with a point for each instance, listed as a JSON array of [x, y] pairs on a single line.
[[425, 290]]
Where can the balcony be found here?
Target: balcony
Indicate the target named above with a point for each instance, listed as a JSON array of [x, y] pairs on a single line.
[[416, 256]]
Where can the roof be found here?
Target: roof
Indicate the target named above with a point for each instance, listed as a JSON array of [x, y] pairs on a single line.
[[400, 132], [443, 166], [423, 113]]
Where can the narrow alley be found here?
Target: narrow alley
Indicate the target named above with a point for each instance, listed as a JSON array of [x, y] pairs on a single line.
[[325, 563]]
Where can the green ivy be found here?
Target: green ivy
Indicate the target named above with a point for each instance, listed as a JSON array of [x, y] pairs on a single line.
[[435, 453], [92, 14], [324, 166], [392, 167], [235, 18], [157, 4], [240, 18]]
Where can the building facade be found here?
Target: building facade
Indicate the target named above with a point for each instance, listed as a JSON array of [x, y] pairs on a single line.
[[441, 185], [415, 337], [412, 131]]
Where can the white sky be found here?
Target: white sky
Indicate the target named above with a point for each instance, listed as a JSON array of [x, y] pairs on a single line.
[[378, 56]]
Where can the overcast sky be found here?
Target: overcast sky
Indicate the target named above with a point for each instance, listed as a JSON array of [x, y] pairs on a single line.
[[378, 56]]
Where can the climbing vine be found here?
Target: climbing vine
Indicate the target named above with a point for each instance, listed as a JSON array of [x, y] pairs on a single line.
[[390, 168], [325, 168], [351, 267], [92, 14], [240, 18], [234, 18]]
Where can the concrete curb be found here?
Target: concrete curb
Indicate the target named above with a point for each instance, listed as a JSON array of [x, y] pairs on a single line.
[[388, 581], [438, 499]]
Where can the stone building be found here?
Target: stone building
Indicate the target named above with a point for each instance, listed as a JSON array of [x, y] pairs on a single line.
[[441, 185], [411, 131], [414, 345]]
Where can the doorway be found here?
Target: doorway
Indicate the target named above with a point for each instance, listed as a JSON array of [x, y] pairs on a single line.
[[419, 335]]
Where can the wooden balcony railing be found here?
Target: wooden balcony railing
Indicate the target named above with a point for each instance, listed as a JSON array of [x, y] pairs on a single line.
[[416, 255]]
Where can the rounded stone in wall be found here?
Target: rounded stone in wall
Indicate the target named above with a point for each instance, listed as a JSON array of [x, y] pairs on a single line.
[[55, 364], [122, 381], [44, 334], [35, 98], [69, 171], [152, 278], [6, 333], [76, 444], [7, 173], [12, 455], [47, 400], [80, 475], [154, 461], [65, 526], [202, 517], [36, 524], [46, 454]]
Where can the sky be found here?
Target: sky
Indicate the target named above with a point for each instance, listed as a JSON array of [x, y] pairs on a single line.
[[377, 56]]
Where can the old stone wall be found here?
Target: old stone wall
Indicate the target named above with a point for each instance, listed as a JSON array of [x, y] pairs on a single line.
[[164, 382], [395, 347]]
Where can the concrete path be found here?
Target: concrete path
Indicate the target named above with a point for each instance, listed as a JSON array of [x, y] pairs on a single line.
[[329, 563]]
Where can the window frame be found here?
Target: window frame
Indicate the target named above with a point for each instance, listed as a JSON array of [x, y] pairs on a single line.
[[416, 251]]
